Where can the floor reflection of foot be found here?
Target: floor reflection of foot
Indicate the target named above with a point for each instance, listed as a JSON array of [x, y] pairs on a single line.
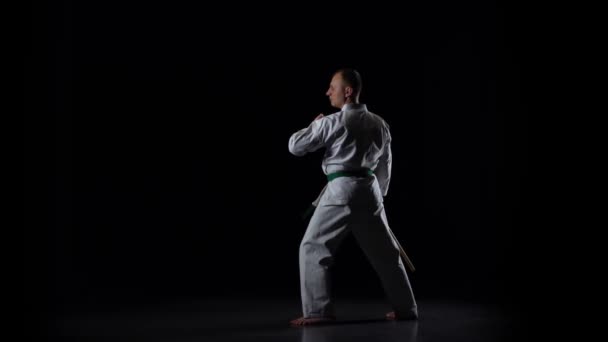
[[392, 316], [311, 321]]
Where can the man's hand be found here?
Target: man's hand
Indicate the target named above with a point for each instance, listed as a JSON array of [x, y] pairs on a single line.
[[319, 116]]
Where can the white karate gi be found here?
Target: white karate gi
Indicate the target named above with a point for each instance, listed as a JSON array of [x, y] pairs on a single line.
[[354, 139]]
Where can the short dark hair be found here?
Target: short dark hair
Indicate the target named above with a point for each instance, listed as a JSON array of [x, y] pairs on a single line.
[[352, 78]]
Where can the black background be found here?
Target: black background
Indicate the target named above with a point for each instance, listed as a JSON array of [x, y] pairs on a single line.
[[156, 161]]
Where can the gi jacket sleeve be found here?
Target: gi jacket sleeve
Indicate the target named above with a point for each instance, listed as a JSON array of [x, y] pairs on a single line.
[[383, 170], [311, 138]]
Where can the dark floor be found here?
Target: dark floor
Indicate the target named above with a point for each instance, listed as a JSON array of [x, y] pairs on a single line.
[[267, 320]]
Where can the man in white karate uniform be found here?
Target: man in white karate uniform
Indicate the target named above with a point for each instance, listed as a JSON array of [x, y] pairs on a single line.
[[357, 163]]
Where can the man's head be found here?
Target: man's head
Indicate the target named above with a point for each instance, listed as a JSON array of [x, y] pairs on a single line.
[[345, 87]]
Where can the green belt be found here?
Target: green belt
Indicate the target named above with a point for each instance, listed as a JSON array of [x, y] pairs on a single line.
[[358, 173]]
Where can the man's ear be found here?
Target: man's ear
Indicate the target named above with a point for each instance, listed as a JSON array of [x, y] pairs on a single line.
[[348, 91]]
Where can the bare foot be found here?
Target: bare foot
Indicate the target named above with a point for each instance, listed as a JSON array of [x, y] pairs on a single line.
[[311, 321], [391, 316]]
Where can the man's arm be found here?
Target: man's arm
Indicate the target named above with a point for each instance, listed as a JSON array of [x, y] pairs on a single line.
[[383, 170], [308, 139]]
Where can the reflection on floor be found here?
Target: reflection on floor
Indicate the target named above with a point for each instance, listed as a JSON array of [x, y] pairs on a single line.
[[267, 320]]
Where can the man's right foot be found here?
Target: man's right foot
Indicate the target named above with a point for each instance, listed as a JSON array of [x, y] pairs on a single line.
[[392, 316]]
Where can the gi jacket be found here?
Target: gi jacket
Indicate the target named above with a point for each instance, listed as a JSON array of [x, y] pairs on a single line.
[[354, 139]]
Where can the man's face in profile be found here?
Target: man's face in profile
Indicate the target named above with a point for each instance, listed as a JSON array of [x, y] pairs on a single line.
[[336, 91]]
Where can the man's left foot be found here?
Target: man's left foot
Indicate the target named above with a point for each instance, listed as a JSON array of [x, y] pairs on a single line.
[[392, 316], [311, 321]]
